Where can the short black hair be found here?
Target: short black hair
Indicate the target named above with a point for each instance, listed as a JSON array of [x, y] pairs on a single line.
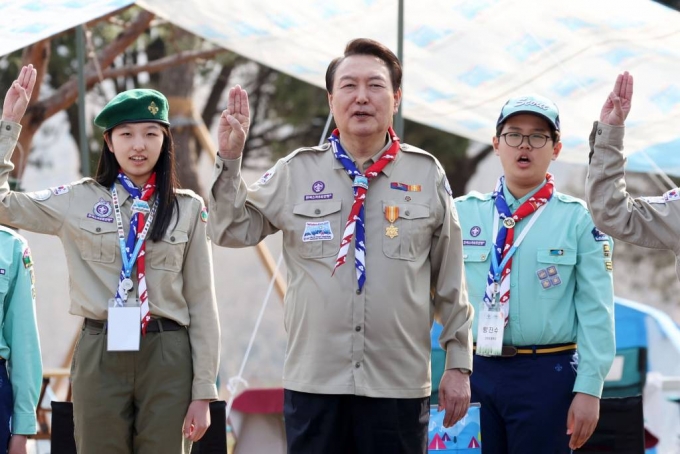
[[365, 46]]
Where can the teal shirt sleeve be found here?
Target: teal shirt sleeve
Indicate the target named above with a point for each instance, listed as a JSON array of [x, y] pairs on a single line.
[[20, 344], [594, 304]]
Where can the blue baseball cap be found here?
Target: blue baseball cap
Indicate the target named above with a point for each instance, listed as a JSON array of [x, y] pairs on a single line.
[[531, 104]]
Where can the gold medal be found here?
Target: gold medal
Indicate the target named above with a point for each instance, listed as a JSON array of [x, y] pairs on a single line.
[[391, 214], [509, 223]]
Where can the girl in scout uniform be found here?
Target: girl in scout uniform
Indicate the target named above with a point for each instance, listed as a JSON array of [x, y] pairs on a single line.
[[140, 268], [539, 273]]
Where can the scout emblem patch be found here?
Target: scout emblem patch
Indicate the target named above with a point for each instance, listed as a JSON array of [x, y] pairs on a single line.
[[475, 231], [391, 214], [153, 108], [101, 211], [28, 261], [317, 231], [317, 188]]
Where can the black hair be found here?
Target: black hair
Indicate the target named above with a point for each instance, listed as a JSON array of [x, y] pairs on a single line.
[[365, 46], [166, 180]]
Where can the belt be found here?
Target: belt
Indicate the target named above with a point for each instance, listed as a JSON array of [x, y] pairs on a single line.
[[156, 325], [510, 350]]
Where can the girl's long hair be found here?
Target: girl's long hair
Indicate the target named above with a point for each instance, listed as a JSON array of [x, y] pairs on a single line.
[[166, 181]]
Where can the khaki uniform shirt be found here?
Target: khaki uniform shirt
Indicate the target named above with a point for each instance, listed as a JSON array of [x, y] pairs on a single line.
[[652, 222], [375, 342], [179, 271]]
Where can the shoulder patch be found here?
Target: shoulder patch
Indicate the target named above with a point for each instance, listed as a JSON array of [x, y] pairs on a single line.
[[40, 196], [26, 258], [599, 235], [60, 190], [670, 196], [266, 176]]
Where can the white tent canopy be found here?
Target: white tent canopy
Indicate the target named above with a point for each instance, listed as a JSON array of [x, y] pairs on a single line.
[[462, 58]]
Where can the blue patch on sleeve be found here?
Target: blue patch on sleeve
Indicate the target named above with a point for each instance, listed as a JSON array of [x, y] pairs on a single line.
[[599, 235]]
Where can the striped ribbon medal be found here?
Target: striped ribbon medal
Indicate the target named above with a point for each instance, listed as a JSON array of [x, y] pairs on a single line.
[[355, 220]]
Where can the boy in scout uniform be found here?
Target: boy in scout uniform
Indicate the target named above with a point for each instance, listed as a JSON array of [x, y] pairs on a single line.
[[652, 222], [539, 275], [369, 229], [141, 275], [19, 344]]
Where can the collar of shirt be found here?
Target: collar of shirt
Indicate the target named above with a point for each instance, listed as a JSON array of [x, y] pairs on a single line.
[[514, 203], [387, 170]]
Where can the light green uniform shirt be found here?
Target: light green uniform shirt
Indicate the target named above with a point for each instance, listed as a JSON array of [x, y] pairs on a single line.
[[579, 308], [19, 343]]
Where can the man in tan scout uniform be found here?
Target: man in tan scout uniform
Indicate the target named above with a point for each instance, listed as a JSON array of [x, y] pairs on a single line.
[[357, 371], [652, 222]]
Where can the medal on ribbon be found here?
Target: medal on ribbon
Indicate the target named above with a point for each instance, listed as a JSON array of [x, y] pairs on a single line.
[[391, 214]]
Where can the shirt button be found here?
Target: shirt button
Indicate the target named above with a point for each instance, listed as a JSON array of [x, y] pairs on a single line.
[[357, 365], [172, 238], [358, 291], [217, 166], [483, 257], [8, 127], [317, 211], [99, 229], [407, 213], [358, 328], [599, 132]]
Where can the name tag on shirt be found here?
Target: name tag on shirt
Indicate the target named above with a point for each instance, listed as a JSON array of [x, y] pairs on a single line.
[[490, 327], [124, 326]]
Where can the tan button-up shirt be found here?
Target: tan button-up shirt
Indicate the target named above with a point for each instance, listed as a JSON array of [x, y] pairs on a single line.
[[375, 342], [179, 270], [652, 222]]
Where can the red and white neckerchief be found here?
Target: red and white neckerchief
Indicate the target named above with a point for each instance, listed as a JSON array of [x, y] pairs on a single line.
[[134, 249], [498, 280], [355, 220]]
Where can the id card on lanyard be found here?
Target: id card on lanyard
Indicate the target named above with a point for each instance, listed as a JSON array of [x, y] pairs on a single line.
[[491, 321], [125, 314]]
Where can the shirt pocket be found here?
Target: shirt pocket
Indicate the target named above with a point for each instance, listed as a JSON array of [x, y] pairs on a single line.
[[97, 241], [414, 234], [4, 284], [477, 264], [168, 253], [318, 226], [555, 271]]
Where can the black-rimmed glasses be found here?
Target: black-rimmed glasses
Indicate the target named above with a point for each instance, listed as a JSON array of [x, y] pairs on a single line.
[[515, 139]]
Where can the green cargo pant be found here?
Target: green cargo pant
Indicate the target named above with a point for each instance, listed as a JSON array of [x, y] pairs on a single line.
[[131, 402]]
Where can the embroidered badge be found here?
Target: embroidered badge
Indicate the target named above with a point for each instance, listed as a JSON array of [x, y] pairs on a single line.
[[599, 235], [318, 187], [40, 196], [102, 211], [673, 194], [317, 231], [59, 190], [140, 206], [319, 196], [28, 261], [608, 265], [2, 271], [204, 214], [153, 108], [475, 231], [266, 177], [405, 187], [474, 242], [558, 367]]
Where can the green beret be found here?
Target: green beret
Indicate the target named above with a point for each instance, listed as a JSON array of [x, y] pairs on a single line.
[[134, 106]]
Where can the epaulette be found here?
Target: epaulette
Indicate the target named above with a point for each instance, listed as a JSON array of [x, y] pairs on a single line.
[[13, 233], [323, 147], [570, 199]]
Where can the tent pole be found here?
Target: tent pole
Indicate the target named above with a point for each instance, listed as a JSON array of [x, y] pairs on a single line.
[[82, 133], [399, 119]]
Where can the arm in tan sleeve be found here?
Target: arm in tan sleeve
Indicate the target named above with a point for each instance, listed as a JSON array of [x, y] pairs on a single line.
[[242, 216], [18, 209], [452, 308], [199, 293], [614, 211]]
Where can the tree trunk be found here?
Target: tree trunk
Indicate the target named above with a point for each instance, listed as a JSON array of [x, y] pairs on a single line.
[[177, 84]]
